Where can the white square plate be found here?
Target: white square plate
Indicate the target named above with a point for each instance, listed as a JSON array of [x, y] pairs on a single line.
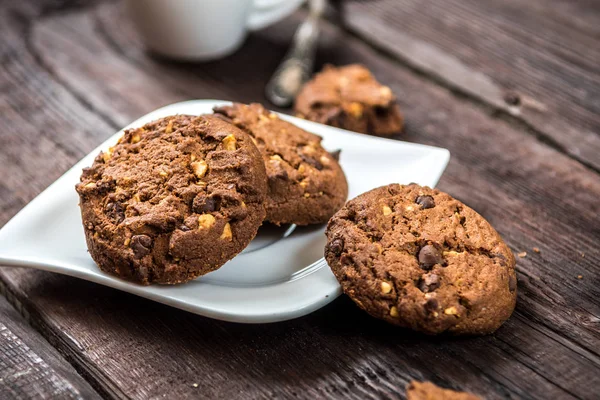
[[280, 276]]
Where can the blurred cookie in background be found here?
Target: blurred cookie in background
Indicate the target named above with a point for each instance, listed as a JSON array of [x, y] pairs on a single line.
[[350, 97]]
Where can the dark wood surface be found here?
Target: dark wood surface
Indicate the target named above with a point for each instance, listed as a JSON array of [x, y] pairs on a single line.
[[72, 73], [30, 367], [543, 53]]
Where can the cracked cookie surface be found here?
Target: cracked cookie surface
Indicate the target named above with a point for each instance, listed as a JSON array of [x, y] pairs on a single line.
[[416, 257], [306, 183], [173, 200], [350, 97]]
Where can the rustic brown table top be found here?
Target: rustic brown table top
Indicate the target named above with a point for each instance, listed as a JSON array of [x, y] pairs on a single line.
[[73, 72]]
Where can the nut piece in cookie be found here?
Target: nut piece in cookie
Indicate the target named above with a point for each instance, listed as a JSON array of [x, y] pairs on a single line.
[[428, 391], [417, 258], [173, 200], [306, 183], [350, 97]]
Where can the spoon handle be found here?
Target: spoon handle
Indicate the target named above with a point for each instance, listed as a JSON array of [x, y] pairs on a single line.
[[297, 65]]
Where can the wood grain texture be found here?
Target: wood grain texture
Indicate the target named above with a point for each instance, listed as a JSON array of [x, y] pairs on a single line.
[[30, 367], [545, 52], [76, 77]]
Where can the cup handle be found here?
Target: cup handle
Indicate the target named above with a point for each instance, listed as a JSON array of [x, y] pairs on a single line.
[[267, 12]]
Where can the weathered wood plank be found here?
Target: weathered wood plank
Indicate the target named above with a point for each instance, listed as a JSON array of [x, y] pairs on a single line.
[[545, 52], [89, 69], [30, 367], [140, 349]]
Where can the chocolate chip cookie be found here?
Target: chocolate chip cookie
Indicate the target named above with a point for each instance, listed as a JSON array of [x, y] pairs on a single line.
[[173, 200], [351, 98], [429, 391], [418, 258], [306, 183]]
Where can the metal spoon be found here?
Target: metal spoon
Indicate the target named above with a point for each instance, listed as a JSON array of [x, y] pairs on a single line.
[[297, 65]]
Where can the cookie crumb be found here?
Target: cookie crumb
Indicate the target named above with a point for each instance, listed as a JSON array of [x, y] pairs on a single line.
[[536, 250], [579, 276], [522, 254], [195, 385], [427, 390], [582, 255]]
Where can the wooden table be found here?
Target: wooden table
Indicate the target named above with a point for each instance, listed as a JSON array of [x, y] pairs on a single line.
[[511, 88]]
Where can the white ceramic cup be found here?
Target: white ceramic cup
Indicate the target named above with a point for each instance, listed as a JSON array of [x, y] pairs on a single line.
[[203, 29]]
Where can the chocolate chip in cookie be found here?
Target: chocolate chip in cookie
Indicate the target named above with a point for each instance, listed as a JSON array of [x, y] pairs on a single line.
[[141, 245], [336, 246], [429, 256], [115, 211], [425, 202]]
